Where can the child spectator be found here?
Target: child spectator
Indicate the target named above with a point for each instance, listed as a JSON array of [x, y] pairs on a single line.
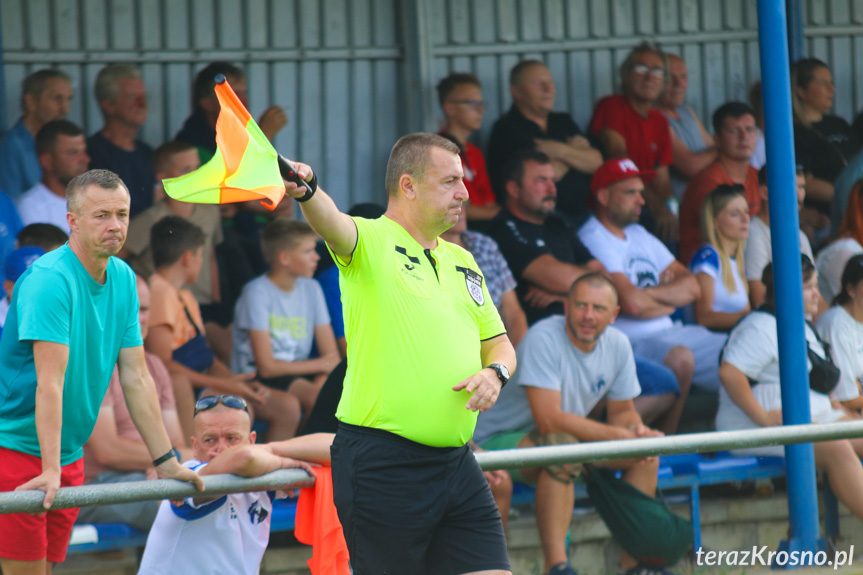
[[172, 160], [46, 236], [718, 266], [177, 332], [281, 314], [841, 327]]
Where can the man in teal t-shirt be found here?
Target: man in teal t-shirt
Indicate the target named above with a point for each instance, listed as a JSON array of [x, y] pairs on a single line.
[[73, 316]]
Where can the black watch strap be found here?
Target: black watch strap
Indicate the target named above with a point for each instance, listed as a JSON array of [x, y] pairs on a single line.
[[160, 460]]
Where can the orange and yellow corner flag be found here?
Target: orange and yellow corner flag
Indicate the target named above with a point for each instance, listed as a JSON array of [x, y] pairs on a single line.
[[244, 167]]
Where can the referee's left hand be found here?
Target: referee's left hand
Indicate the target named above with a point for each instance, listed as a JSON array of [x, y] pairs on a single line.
[[484, 387]]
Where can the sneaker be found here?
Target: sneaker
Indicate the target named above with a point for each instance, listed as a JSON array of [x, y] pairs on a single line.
[[562, 569], [642, 569]]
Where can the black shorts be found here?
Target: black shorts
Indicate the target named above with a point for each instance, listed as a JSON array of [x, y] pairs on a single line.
[[407, 508], [280, 382]]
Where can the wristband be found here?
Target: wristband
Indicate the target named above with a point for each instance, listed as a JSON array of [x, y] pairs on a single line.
[[172, 453], [311, 188]]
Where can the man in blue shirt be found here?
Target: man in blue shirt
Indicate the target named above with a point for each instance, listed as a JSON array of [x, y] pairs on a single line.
[[45, 96], [73, 316]]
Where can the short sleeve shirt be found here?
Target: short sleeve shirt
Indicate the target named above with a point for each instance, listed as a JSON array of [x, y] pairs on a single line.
[[39, 205], [844, 335], [56, 300], [169, 308], [19, 166], [648, 140], [10, 225], [116, 401], [290, 319], [414, 322], [640, 256], [476, 178], [706, 261], [758, 252], [696, 193], [224, 536], [826, 148], [521, 242], [513, 133], [830, 264], [548, 360], [135, 168], [204, 216]]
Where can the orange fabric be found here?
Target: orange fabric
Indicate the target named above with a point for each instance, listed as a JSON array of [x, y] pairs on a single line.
[[167, 309], [232, 137], [693, 198], [317, 524]]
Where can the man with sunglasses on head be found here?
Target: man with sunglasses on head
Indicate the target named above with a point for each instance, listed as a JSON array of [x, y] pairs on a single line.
[[532, 125], [628, 126], [227, 534]]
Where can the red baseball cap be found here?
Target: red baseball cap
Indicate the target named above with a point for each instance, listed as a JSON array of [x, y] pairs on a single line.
[[615, 170]]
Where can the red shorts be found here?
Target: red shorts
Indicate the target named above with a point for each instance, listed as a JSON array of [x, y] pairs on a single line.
[[29, 537]]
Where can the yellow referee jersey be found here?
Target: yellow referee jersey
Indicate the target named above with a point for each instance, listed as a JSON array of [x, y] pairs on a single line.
[[414, 320]]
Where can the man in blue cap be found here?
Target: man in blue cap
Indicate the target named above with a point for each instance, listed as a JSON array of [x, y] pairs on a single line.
[[16, 264]]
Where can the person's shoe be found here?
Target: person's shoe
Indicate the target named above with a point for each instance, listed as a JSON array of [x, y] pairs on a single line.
[[562, 569], [642, 569]]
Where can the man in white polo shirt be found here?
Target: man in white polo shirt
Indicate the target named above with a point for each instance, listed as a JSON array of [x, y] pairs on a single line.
[[229, 534]]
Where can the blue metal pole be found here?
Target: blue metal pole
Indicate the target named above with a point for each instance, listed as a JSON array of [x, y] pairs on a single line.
[[784, 224], [794, 10]]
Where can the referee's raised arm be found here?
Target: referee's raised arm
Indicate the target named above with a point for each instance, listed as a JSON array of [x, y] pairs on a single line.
[[336, 228]]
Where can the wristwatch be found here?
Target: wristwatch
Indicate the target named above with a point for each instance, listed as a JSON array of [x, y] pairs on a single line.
[[501, 371]]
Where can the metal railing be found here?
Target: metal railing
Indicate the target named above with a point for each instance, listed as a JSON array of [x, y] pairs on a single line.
[[107, 494]]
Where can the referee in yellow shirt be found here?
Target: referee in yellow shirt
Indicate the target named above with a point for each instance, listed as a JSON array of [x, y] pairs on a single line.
[[427, 351]]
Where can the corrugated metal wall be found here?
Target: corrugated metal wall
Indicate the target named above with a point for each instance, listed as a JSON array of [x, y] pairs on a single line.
[[332, 64], [337, 65]]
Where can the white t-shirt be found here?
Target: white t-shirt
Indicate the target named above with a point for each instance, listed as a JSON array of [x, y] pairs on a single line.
[[289, 317], [844, 335], [753, 348], [706, 261], [548, 360], [759, 252], [830, 264], [226, 536], [640, 256], [39, 205], [4, 310]]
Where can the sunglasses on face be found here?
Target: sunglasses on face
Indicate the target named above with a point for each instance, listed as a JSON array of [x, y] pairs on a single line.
[[642, 69], [212, 401]]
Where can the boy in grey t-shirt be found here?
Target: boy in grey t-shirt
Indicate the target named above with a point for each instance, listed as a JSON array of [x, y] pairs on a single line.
[[281, 314], [567, 364]]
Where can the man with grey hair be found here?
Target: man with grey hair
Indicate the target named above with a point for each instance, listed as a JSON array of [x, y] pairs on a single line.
[[428, 352], [73, 317], [45, 96], [532, 125], [629, 127], [122, 98]]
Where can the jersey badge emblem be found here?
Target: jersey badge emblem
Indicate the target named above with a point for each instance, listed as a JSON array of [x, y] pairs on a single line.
[[473, 282]]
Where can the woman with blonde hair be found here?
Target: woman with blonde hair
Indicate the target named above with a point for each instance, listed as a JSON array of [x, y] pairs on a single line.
[[832, 259], [718, 265]]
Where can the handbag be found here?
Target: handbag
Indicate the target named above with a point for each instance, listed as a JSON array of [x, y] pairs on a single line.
[[644, 526]]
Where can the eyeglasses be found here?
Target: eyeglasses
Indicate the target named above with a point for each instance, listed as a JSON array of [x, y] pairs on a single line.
[[475, 104], [642, 69], [212, 401]]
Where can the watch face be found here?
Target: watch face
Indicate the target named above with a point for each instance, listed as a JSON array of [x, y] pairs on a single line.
[[504, 371]]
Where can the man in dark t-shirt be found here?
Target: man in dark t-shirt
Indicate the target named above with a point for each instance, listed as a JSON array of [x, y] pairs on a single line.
[[531, 125], [540, 244], [122, 98]]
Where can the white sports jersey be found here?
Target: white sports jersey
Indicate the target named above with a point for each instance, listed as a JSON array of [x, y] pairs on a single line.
[[226, 536]]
